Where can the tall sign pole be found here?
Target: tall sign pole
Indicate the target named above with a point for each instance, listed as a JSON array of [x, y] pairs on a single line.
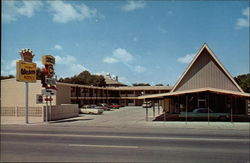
[[27, 103], [49, 83], [26, 72]]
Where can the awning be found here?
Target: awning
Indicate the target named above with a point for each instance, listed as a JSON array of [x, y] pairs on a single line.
[[214, 90]]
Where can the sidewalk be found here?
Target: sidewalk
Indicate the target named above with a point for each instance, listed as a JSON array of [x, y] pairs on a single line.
[[201, 125]]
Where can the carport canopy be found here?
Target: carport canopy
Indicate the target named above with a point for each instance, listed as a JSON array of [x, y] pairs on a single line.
[[214, 90]]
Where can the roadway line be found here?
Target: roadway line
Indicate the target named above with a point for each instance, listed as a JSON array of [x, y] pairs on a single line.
[[101, 146], [130, 137]]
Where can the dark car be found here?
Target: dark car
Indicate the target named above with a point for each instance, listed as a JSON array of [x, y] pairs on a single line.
[[202, 113]]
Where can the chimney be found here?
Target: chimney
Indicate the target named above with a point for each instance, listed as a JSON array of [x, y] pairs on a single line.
[[116, 78]]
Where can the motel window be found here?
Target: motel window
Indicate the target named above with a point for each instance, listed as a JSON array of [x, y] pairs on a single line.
[[130, 101], [73, 91]]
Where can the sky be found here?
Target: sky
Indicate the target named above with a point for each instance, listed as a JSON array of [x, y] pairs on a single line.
[[138, 41]]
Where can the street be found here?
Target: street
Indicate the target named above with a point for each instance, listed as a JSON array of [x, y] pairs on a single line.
[[49, 143]]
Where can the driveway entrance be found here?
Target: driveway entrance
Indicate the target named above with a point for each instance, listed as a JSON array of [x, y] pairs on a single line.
[[125, 116]]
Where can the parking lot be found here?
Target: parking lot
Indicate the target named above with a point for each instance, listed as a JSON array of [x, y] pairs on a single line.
[[127, 117], [123, 117], [135, 117]]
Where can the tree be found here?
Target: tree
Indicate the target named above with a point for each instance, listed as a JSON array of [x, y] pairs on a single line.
[[7, 77], [39, 73], [141, 84], [244, 82], [159, 85], [85, 78]]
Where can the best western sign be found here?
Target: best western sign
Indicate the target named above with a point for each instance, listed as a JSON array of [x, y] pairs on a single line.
[[25, 71]]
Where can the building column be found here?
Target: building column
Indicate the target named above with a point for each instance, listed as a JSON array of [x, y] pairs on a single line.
[[158, 107], [146, 111], [153, 108], [186, 107]]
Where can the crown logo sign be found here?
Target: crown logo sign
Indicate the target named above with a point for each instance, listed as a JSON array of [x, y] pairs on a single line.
[[26, 55]]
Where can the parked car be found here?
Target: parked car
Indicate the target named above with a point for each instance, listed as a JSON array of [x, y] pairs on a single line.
[[114, 106], [91, 109], [105, 106], [147, 104], [202, 113]]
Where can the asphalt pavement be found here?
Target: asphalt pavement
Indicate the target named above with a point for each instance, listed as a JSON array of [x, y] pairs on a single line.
[[124, 136], [55, 143]]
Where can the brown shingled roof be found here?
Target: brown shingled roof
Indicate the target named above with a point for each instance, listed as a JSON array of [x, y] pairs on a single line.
[[112, 82]]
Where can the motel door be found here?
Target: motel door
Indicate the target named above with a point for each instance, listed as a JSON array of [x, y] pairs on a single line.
[[202, 103]]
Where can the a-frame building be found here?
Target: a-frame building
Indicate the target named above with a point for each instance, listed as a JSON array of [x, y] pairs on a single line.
[[206, 71], [205, 84]]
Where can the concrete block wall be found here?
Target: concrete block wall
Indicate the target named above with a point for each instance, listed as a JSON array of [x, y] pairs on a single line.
[[61, 111]]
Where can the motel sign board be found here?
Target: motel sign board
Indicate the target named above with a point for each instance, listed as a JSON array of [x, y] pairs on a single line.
[[25, 71], [25, 68], [48, 60]]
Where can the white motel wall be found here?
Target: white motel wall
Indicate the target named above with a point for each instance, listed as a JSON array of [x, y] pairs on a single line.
[[13, 101]]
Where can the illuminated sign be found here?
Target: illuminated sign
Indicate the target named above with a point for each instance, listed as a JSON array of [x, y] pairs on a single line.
[[48, 60], [25, 71]]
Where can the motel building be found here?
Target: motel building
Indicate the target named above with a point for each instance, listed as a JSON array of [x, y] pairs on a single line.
[[205, 84]]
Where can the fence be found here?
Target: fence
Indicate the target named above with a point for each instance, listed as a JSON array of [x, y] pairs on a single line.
[[57, 112], [20, 111]]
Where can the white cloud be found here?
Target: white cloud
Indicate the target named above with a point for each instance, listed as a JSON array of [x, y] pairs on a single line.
[[29, 8], [119, 55], [109, 60], [186, 59], [246, 12], [243, 22], [39, 64], [77, 68], [63, 12], [67, 66], [100, 73], [135, 39], [68, 59], [57, 47], [14, 9], [122, 55], [8, 67], [140, 69], [133, 5]]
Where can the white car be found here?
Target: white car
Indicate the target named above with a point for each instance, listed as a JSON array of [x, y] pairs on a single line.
[[91, 109]]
